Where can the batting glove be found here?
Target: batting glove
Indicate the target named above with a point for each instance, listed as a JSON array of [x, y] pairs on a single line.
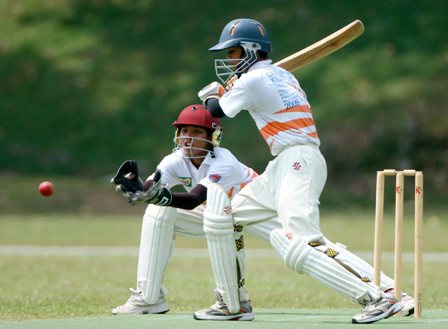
[[126, 179], [231, 82], [213, 90]]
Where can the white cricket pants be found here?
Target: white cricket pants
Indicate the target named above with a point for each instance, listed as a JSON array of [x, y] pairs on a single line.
[[288, 191], [189, 223]]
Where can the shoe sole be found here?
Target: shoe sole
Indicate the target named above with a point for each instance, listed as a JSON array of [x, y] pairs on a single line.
[[159, 312], [408, 312], [144, 312], [156, 309], [392, 311], [233, 317]]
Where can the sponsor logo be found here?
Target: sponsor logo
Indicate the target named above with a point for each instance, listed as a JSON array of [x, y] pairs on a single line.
[[227, 210], [214, 178], [296, 166], [187, 181]]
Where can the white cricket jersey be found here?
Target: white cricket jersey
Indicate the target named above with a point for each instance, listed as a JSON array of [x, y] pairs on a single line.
[[224, 169], [276, 102]]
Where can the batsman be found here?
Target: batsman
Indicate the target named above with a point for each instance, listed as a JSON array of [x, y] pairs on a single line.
[[289, 189]]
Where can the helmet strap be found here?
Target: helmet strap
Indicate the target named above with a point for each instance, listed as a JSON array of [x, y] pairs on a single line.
[[216, 137]]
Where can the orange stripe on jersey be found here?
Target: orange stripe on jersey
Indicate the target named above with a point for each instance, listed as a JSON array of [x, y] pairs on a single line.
[[273, 128], [251, 174], [300, 108]]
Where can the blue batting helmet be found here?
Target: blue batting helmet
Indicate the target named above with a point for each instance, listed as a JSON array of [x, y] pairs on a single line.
[[243, 30]]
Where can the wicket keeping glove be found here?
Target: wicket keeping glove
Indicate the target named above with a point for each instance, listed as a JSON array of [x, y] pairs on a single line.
[[126, 179], [155, 194]]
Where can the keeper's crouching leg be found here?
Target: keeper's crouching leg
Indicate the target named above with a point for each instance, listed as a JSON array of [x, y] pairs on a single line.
[[219, 229], [303, 258], [155, 250]]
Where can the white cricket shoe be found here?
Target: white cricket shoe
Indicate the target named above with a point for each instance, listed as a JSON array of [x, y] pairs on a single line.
[[220, 312], [136, 305], [384, 308], [408, 304]]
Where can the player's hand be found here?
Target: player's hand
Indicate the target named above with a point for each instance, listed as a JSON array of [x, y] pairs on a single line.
[[126, 179], [155, 194], [212, 90]]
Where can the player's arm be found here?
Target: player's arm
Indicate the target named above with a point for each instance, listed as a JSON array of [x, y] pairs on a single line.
[[189, 200], [154, 193], [210, 95], [212, 105], [151, 191], [164, 197], [229, 103]]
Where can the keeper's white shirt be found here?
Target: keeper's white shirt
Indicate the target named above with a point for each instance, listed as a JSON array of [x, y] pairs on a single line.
[[276, 102], [222, 168]]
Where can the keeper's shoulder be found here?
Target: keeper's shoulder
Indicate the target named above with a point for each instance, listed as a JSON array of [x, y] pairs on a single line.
[[224, 155]]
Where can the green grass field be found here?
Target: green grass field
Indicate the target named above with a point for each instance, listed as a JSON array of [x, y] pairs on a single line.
[[70, 266]]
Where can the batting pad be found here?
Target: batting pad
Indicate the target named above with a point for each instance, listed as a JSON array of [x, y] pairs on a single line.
[[155, 250], [302, 258], [359, 265], [218, 227], [240, 255]]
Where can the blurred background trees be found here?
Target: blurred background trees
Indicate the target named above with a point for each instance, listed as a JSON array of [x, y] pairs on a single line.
[[86, 85]]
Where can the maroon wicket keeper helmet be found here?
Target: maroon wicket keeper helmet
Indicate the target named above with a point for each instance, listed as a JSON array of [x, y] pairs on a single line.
[[197, 115]]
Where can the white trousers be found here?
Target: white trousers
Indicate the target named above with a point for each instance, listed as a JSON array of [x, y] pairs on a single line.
[[159, 228], [189, 223], [288, 191]]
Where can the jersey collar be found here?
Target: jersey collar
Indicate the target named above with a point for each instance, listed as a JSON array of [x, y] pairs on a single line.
[[260, 64]]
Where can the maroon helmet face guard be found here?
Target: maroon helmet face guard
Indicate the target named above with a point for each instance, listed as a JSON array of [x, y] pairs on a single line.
[[197, 115]]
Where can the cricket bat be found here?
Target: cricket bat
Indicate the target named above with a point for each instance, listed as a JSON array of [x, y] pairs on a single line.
[[322, 48]]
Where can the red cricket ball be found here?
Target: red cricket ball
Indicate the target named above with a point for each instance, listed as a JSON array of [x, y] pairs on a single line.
[[46, 188]]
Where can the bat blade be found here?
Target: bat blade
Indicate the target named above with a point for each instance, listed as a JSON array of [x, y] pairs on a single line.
[[322, 48]]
